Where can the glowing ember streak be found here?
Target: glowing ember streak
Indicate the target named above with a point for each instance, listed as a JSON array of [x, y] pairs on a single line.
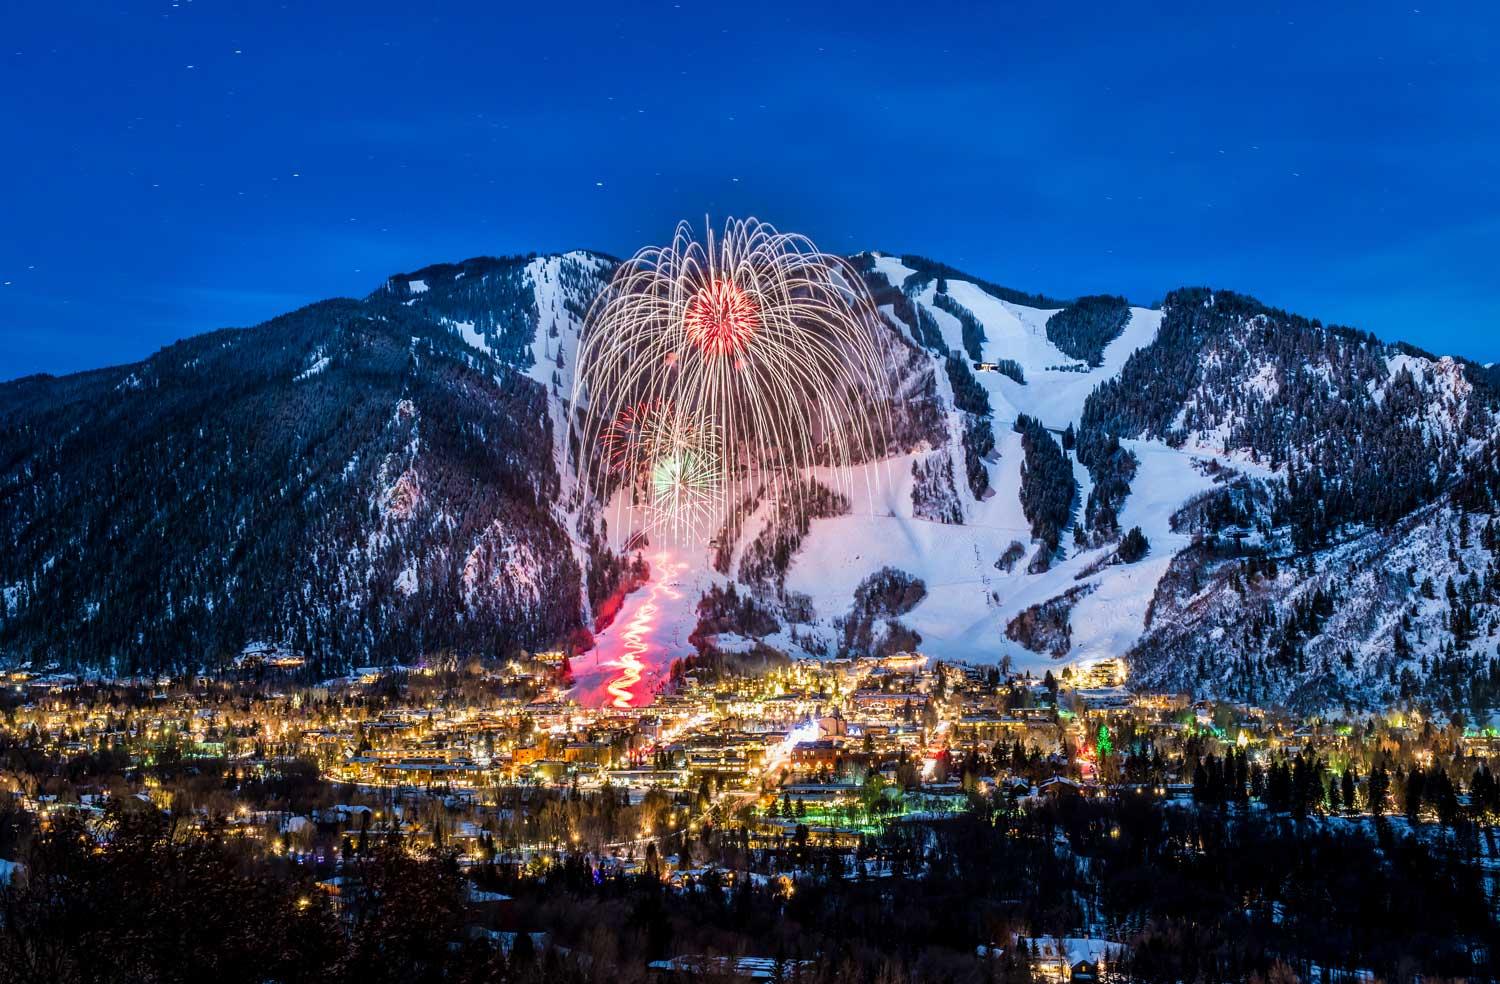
[[622, 688], [720, 318]]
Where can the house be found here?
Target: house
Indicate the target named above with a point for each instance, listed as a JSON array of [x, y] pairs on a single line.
[[819, 754], [1104, 698], [1017, 787], [1079, 960], [730, 968], [1059, 787]]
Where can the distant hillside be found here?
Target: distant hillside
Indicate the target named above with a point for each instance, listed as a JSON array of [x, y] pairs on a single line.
[[389, 478], [351, 479]]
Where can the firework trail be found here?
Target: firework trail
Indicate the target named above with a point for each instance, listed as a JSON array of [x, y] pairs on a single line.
[[708, 368], [622, 690]]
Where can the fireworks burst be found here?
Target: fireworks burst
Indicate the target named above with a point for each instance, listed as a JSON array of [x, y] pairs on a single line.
[[709, 367], [720, 319], [639, 433], [683, 489]]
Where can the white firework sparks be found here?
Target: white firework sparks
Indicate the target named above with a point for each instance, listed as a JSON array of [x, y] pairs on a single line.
[[684, 485], [744, 360]]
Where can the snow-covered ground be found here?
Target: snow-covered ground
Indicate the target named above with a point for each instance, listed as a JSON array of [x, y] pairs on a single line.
[[1052, 395], [969, 599]]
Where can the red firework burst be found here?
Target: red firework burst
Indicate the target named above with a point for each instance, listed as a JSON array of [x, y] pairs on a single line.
[[629, 434], [721, 318], [644, 431]]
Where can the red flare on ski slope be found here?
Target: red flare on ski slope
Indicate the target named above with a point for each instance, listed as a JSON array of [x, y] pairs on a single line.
[[627, 688]]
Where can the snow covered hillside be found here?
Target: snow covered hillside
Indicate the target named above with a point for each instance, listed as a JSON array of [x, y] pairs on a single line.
[[990, 594], [972, 596], [1245, 502]]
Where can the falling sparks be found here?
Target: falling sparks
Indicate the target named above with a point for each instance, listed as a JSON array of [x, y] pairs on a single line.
[[683, 484]]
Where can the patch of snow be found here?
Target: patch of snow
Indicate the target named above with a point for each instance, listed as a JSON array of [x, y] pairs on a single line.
[[894, 270], [1052, 394], [406, 581], [318, 364], [471, 336], [969, 601], [1264, 382], [503, 565]]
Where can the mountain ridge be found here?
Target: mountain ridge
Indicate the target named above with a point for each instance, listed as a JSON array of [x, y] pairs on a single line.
[[469, 535]]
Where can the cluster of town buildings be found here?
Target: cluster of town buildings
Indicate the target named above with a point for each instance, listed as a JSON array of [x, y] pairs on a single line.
[[502, 763], [835, 747]]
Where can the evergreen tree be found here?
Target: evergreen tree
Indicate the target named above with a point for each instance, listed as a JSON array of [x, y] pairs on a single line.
[[1134, 546]]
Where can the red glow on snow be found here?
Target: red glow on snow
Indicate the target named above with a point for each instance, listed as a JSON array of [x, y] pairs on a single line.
[[721, 318], [628, 686], [621, 689]]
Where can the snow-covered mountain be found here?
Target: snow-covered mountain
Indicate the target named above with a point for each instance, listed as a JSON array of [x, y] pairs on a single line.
[[388, 478]]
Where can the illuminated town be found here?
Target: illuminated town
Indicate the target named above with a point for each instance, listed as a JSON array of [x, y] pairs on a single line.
[[433, 754], [773, 493], [770, 781], [830, 752]]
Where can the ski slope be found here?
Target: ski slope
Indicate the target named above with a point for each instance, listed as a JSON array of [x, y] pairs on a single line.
[[970, 600]]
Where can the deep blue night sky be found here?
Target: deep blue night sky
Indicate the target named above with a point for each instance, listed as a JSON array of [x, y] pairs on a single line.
[[176, 167]]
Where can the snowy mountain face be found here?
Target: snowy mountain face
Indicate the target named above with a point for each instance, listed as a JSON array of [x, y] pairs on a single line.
[[361, 481], [1359, 482], [385, 479]]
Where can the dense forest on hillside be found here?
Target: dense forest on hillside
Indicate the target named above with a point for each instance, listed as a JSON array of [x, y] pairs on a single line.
[[968, 395], [919, 322], [1112, 469], [970, 326], [928, 270], [979, 444], [1364, 444], [934, 494], [1048, 489], [492, 295], [349, 480], [1085, 327]]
